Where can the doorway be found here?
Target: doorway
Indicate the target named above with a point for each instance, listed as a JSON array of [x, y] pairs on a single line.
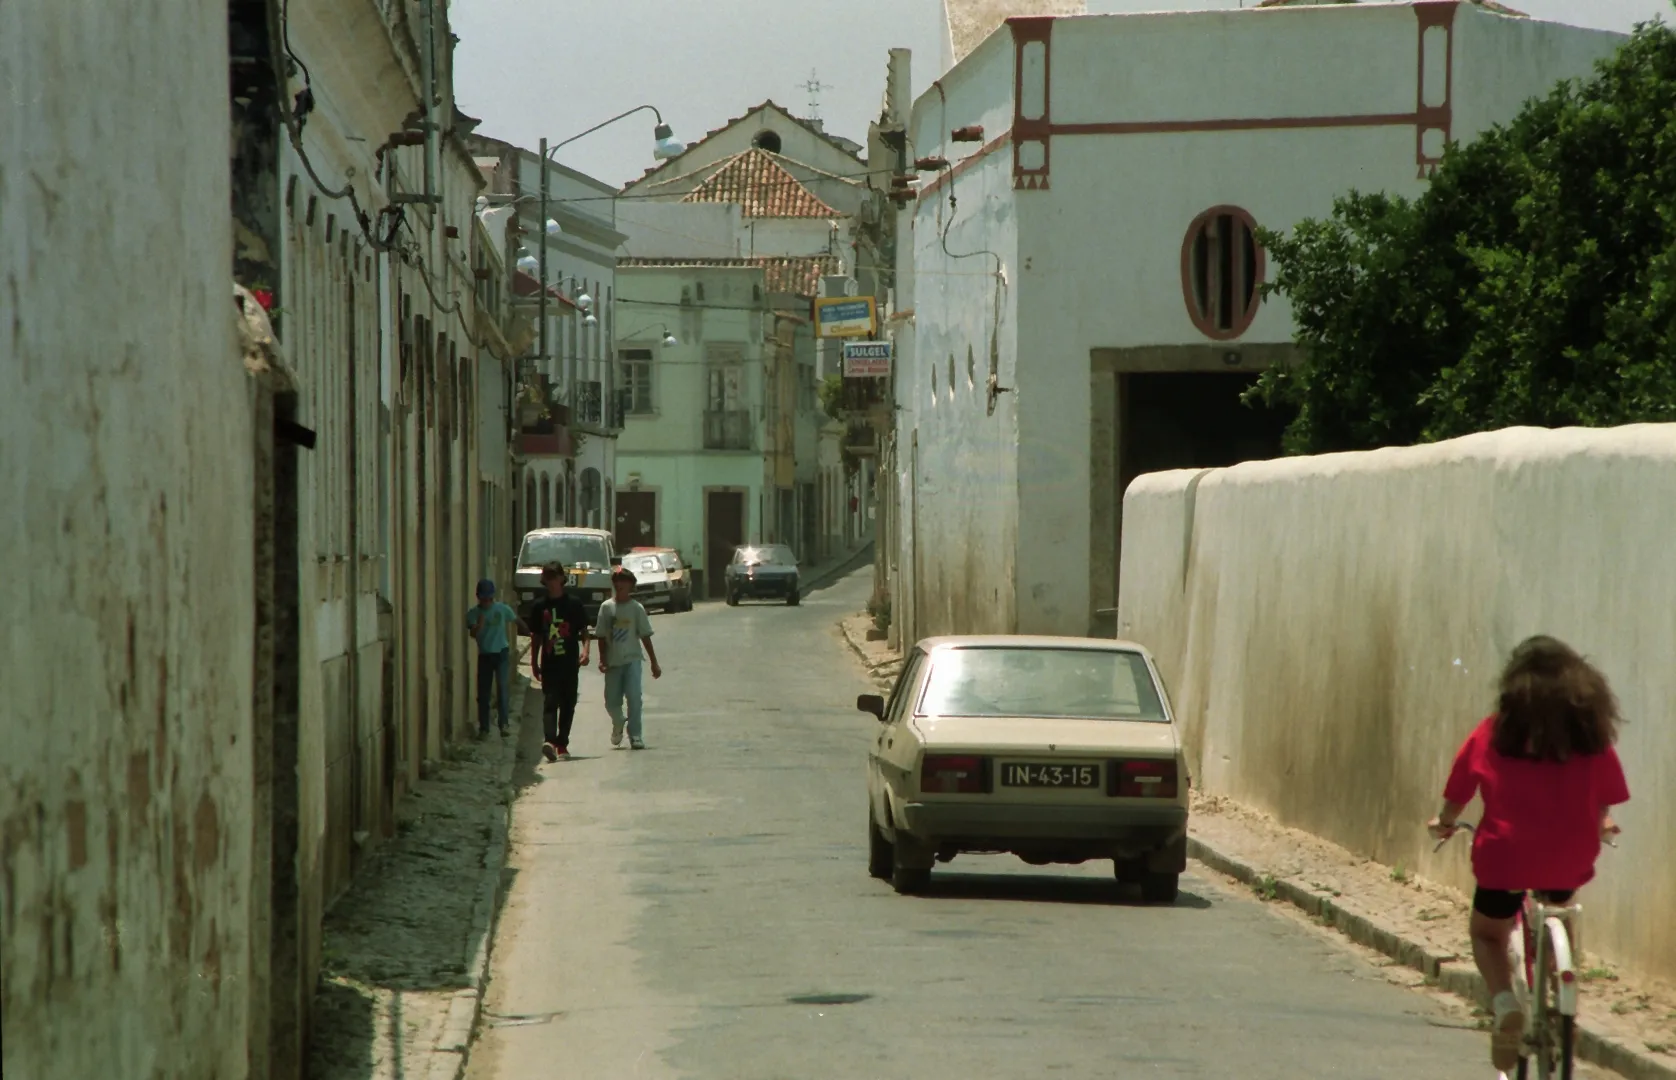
[[724, 530], [637, 519], [1192, 420]]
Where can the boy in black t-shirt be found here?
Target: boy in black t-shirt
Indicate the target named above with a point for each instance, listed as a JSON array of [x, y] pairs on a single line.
[[559, 624]]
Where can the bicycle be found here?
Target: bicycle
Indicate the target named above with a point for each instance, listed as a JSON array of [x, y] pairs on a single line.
[[1546, 961]]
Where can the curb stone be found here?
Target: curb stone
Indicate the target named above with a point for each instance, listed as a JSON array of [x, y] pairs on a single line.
[[1449, 972], [874, 671]]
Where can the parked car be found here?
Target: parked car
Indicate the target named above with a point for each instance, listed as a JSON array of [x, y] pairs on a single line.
[[680, 577], [651, 579], [763, 571], [589, 555], [1057, 750]]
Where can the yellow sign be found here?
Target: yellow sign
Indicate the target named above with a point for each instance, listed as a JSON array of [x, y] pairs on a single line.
[[845, 316]]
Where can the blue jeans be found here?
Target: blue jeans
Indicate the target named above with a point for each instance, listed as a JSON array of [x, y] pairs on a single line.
[[623, 681], [493, 667]]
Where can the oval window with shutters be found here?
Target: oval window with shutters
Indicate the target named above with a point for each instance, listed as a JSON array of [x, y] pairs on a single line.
[[1222, 267]]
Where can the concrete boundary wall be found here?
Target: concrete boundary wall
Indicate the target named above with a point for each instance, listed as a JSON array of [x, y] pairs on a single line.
[[1332, 627]]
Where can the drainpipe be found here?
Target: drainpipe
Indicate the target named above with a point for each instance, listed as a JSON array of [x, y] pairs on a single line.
[[427, 64]]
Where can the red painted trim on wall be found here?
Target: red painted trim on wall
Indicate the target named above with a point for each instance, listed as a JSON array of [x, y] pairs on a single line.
[[1254, 123], [1031, 30], [1429, 14]]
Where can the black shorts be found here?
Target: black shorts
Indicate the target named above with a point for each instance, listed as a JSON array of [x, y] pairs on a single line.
[[1498, 904]]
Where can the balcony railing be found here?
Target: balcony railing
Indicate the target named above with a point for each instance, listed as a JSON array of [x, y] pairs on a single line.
[[590, 403], [729, 429]]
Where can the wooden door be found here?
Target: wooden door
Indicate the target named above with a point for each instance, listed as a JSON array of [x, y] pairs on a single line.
[[724, 530], [637, 520]]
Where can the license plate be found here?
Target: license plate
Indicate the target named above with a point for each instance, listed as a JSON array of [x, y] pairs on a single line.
[[1032, 774]]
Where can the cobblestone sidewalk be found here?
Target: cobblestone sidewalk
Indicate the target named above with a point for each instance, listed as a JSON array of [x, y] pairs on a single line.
[[406, 949]]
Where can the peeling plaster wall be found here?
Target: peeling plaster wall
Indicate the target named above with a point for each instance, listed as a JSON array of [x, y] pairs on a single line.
[[125, 768], [1331, 628]]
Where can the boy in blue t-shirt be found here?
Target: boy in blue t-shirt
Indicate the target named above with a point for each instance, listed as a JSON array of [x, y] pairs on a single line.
[[488, 623]]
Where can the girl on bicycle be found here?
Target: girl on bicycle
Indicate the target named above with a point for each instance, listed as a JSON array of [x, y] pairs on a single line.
[[1548, 775]]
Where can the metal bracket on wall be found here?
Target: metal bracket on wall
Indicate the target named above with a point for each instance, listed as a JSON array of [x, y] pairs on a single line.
[[294, 433]]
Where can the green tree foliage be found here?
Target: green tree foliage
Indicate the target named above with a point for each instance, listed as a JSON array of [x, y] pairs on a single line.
[[1534, 282]]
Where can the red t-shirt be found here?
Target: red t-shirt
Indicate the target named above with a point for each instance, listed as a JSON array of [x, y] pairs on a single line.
[[1540, 828]]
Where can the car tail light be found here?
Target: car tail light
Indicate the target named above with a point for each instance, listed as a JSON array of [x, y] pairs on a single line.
[[954, 774], [1144, 778]]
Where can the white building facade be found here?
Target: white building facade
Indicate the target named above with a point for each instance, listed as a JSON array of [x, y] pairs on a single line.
[[1085, 280]]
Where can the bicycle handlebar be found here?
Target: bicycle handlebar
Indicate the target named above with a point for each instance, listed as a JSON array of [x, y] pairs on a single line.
[[1467, 826]]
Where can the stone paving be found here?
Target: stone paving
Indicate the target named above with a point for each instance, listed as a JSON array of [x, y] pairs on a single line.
[[405, 949]]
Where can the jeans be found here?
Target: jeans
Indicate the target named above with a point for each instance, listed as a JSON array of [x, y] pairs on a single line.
[[492, 667], [559, 682], [623, 681]]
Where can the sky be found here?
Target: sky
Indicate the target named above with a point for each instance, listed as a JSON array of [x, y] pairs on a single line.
[[534, 68]]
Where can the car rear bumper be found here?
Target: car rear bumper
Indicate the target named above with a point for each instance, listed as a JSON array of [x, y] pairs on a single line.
[[749, 589], [979, 825]]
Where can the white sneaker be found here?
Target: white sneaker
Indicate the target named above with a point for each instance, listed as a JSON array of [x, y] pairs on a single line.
[[616, 734], [1507, 1031]]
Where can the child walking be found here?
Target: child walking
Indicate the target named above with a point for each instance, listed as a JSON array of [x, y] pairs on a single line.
[[487, 623], [622, 628], [1548, 775]]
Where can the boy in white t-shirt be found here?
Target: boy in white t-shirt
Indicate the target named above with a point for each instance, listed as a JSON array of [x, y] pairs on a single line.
[[622, 628]]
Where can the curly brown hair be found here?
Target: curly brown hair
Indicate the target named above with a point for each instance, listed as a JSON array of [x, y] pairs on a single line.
[[1554, 704]]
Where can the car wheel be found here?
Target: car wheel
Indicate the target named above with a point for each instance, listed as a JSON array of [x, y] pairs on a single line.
[[792, 599], [1159, 888], [881, 857], [1129, 871], [732, 599], [907, 880]]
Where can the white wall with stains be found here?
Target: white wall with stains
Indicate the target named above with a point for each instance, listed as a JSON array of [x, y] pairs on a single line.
[[126, 471], [1330, 629]]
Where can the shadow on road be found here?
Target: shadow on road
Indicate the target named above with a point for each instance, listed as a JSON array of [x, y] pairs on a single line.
[[1047, 888]]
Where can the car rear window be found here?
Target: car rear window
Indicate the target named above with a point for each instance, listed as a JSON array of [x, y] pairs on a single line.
[[1095, 684]]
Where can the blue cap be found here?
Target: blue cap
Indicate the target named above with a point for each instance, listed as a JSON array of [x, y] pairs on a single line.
[[485, 589]]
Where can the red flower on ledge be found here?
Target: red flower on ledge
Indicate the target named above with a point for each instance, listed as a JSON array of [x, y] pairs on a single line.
[[265, 297]]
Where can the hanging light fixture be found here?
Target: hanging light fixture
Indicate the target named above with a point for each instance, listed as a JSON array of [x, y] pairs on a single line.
[[666, 146], [590, 320], [585, 302], [528, 264], [669, 340], [553, 228]]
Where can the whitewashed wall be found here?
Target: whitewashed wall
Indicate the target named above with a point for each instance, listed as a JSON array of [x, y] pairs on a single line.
[[1332, 627], [125, 438], [959, 492]]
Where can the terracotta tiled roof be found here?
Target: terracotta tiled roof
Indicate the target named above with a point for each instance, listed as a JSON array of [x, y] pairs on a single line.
[[799, 275], [842, 144], [1487, 5], [758, 182]]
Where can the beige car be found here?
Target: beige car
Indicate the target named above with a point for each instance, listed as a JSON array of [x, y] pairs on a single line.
[[1058, 750]]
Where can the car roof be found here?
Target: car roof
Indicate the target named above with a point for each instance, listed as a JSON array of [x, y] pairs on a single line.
[[561, 529], [1030, 641]]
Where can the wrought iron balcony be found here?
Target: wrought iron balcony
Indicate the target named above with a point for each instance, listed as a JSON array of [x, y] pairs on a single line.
[[729, 429]]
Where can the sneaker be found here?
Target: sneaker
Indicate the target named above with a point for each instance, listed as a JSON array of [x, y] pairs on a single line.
[[564, 753], [636, 744], [505, 731], [616, 734], [549, 751], [1507, 1032]]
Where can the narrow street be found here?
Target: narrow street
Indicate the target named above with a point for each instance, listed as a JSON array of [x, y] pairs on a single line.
[[702, 909]]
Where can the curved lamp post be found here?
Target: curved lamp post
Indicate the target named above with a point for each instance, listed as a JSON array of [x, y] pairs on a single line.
[[664, 148]]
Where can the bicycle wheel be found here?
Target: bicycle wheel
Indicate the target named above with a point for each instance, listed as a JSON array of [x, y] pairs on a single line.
[[1552, 1032], [1524, 951]]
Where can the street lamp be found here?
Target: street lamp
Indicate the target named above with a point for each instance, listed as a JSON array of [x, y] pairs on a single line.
[[664, 148]]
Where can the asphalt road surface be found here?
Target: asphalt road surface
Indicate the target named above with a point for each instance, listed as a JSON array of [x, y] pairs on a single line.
[[701, 909]]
